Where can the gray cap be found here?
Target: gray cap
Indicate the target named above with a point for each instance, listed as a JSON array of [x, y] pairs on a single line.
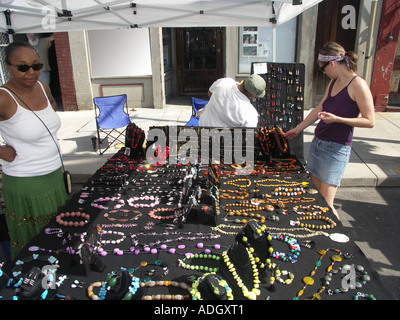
[[255, 85]]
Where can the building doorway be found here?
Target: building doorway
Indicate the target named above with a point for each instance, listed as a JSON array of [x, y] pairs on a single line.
[[199, 59], [329, 28]]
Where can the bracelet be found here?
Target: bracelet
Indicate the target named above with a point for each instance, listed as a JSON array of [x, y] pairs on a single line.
[[78, 214]]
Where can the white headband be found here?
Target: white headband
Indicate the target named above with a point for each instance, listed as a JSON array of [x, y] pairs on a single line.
[[324, 58]]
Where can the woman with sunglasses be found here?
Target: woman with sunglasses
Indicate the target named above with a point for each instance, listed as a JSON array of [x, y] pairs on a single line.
[[347, 103], [33, 185]]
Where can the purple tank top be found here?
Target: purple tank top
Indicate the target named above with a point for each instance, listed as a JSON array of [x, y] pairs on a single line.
[[343, 106]]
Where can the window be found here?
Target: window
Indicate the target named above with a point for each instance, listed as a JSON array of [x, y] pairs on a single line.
[[272, 44]]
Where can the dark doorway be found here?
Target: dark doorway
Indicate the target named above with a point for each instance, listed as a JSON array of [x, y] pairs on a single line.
[[199, 59], [329, 28]]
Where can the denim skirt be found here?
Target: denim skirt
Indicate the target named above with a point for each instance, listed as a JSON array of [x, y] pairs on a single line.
[[327, 160]]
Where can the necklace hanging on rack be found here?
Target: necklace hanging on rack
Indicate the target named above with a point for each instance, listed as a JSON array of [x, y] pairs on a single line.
[[255, 291]]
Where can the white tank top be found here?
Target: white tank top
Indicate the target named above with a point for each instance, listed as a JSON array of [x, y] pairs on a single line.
[[37, 153]]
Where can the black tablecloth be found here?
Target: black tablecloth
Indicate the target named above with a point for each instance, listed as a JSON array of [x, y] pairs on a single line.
[[134, 179]]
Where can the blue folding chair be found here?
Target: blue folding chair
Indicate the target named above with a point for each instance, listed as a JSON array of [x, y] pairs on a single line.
[[197, 104], [112, 117]]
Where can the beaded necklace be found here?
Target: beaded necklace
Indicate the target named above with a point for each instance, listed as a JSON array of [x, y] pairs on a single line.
[[175, 284], [299, 223], [152, 214], [237, 185], [219, 228], [363, 279], [131, 202], [119, 205], [225, 194], [309, 280], [183, 262], [310, 210], [280, 183], [255, 291], [111, 281], [184, 236], [284, 191], [295, 250], [80, 215]]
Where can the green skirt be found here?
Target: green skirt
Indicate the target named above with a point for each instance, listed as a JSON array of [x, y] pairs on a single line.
[[30, 203]]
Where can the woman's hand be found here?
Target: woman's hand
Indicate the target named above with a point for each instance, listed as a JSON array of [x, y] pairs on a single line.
[[8, 153], [327, 117], [292, 133]]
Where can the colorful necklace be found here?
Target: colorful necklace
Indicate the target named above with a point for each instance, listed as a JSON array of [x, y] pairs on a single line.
[[309, 280], [295, 250]]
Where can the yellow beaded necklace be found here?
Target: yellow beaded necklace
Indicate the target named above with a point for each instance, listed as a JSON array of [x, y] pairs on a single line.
[[255, 291]]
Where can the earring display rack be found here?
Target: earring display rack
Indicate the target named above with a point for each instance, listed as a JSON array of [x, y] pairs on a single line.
[[283, 104]]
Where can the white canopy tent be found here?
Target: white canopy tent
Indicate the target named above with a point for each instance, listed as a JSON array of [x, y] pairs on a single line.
[[22, 16]]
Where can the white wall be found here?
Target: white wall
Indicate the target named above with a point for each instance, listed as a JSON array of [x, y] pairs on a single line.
[[120, 53]]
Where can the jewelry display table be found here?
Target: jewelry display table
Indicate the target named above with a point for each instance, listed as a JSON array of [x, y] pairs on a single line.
[[183, 232]]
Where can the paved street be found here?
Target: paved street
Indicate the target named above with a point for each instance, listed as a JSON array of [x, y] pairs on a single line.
[[371, 217]]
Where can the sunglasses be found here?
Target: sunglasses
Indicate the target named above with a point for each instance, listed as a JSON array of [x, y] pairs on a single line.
[[25, 67], [322, 68]]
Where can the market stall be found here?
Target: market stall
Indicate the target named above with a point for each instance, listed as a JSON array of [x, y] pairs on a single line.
[[194, 231]]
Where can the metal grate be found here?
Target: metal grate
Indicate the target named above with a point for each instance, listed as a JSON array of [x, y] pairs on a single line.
[[4, 75]]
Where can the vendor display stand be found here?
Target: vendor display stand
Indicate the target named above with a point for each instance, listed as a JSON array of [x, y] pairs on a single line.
[[283, 104], [194, 232]]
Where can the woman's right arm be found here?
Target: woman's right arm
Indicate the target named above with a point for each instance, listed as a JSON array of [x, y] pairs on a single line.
[[309, 120], [7, 152]]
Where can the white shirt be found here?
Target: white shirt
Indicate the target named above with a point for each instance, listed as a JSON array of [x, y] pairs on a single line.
[[228, 107], [37, 153]]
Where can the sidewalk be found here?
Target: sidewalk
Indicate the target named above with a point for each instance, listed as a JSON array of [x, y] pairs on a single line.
[[375, 159]]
